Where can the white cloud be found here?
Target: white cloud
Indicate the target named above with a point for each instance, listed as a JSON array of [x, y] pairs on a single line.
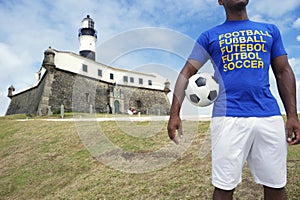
[[298, 38], [15, 70], [296, 23], [9, 57], [167, 40], [295, 64], [257, 18], [281, 13], [273, 9]]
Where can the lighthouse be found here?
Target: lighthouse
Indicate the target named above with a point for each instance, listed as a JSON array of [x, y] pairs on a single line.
[[87, 38]]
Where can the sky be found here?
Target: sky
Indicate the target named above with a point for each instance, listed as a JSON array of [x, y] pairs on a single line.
[[29, 27]]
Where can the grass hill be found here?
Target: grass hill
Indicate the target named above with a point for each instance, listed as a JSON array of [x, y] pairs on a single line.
[[48, 160]]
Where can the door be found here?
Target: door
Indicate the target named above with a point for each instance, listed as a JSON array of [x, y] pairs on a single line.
[[117, 106]]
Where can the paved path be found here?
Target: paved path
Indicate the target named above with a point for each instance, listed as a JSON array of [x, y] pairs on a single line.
[[125, 118]]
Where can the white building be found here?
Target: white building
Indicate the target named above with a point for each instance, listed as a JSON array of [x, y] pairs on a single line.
[[80, 83]]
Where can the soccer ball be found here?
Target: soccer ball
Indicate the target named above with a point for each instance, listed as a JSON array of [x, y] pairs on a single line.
[[202, 89]]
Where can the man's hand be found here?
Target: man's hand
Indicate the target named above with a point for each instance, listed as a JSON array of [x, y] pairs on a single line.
[[293, 131], [173, 125], [189, 69]]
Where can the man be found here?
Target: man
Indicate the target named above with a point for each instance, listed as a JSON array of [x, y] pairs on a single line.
[[246, 123]]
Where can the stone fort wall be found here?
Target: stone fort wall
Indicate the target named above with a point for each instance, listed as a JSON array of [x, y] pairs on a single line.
[[26, 102], [79, 94]]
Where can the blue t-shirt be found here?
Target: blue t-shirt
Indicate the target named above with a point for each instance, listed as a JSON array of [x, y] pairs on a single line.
[[241, 52]]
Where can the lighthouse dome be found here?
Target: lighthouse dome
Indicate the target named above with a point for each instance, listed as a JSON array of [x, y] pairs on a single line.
[[87, 27], [88, 22]]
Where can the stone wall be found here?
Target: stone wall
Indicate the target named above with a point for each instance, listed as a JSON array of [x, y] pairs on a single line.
[[79, 93], [147, 101], [26, 102], [61, 90]]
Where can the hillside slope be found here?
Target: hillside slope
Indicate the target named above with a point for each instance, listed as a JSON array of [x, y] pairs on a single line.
[[47, 160]]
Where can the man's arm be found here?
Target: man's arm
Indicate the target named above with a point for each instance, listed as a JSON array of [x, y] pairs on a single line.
[[189, 69], [286, 85]]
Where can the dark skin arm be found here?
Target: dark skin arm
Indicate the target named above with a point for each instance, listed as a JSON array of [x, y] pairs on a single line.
[[189, 69], [286, 85]]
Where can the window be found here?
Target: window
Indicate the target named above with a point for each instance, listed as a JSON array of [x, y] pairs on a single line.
[[111, 76], [87, 97], [99, 72], [149, 82], [140, 81], [131, 80], [117, 92], [125, 79], [91, 24], [84, 68]]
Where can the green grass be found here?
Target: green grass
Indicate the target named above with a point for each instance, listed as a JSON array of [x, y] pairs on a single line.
[[48, 160]]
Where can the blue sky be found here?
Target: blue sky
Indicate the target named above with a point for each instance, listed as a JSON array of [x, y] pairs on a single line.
[[30, 26]]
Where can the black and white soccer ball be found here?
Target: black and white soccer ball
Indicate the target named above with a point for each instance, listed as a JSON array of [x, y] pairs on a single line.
[[202, 89]]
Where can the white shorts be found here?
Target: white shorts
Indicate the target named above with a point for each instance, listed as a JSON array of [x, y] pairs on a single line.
[[261, 141]]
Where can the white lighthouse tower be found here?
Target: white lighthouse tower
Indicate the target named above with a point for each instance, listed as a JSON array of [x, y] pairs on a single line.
[[87, 38]]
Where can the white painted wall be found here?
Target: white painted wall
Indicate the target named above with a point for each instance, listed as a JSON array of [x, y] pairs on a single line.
[[87, 42], [73, 63]]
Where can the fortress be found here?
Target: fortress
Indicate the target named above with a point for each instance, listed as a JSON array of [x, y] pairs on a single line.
[[80, 84]]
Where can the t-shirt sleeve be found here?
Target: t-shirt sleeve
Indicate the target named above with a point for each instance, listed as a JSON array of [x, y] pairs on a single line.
[[200, 49], [277, 46]]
